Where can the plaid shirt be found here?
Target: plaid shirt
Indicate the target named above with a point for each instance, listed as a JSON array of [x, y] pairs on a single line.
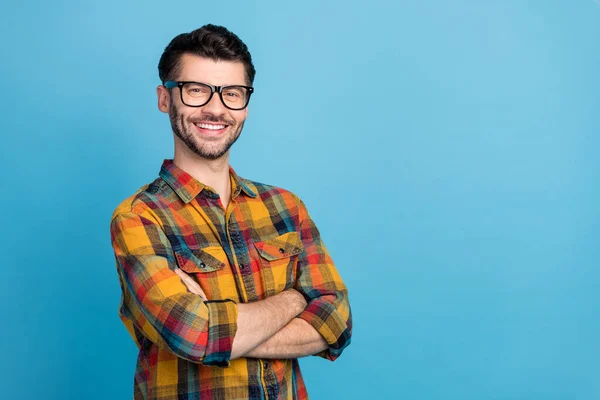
[[265, 242]]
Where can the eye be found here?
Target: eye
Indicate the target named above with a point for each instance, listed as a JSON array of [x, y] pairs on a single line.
[[234, 93], [197, 90]]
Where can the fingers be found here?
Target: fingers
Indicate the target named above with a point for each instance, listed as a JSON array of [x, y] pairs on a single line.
[[191, 284]]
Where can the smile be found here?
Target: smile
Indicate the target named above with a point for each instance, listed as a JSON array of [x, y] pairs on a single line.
[[211, 127]]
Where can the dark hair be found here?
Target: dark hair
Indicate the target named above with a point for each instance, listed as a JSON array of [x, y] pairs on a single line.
[[210, 41]]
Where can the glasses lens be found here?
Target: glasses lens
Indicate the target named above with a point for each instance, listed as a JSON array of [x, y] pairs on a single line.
[[195, 94], [235, 97]]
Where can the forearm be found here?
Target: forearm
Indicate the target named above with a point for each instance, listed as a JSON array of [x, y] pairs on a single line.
[[257, 322], [297, 339]]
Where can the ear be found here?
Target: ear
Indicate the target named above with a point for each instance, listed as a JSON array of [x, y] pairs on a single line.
[[164, 98]]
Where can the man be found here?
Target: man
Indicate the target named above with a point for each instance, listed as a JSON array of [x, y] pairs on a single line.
[[225, 281]]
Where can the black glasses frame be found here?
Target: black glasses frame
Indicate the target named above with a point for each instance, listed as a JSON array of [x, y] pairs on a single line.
[[213, 89]]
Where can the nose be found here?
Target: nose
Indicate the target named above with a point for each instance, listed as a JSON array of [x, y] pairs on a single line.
[[215, 105]]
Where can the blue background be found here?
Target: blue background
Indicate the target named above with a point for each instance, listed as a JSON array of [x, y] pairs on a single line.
[[447, 150]]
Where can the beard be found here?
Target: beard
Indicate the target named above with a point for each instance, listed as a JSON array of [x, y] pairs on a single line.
[[208, 149]]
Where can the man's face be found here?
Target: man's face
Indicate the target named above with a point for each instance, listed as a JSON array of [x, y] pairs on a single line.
[[210, 130]]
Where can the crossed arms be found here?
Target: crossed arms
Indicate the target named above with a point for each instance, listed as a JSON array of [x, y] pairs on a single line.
[[269, 328], [312, 318]]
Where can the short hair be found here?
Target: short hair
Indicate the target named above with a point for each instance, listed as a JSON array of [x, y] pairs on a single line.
[[210, 41]]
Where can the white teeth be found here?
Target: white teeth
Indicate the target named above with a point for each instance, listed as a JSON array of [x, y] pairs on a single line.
[[211, 127]]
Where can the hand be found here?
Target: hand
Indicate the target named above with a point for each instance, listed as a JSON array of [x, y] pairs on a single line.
[[191, 284]]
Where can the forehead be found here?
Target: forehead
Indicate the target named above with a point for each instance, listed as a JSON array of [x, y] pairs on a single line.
[[200, 69]]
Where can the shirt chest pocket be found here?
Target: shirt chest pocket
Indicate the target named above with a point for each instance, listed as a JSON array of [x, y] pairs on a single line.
[[279, 258], [209, 266]]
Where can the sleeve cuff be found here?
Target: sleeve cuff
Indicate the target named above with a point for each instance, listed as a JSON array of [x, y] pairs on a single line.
[[222, 317], [326, 320]]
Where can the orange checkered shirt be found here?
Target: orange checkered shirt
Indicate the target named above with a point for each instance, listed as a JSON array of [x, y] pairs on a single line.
[[263, 243]]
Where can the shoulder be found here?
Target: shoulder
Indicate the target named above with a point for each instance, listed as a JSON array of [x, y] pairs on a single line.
[[265, 192], [148, 197], [279, 200]]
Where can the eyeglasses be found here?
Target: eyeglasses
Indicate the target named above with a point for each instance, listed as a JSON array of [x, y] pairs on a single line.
[[197, 94]]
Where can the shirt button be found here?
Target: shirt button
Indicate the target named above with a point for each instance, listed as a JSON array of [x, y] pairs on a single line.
[[242, 267], [266, 365], [202, 265], [281, 250]]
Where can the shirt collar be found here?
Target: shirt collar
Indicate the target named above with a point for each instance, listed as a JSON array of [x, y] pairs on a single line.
[[239, 184], [187, 187]]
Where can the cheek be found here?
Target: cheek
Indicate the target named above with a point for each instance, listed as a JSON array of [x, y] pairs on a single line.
[[182, 117], [240, 116]]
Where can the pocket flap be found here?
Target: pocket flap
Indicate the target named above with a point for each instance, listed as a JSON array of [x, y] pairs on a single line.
[[202, 260], [281, 246]]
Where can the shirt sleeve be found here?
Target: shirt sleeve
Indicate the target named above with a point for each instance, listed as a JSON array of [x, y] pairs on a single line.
[[328, 309], [159, 303]]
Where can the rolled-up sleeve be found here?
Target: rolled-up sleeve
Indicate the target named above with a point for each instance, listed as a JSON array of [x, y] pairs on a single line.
[[158, 302], [328, 309]]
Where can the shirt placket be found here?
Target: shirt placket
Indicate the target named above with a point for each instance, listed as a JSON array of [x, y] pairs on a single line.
[[231, 239], [240, 253], [236, 248], [270, 380]]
